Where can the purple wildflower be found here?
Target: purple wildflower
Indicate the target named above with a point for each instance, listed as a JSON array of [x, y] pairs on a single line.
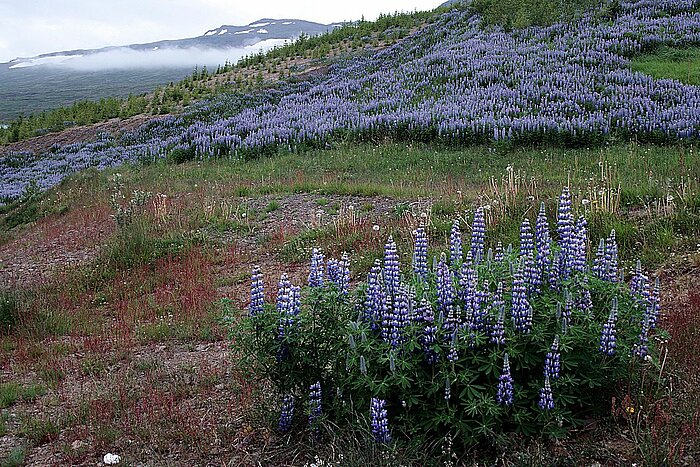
[[379, 420], [455, 244], [608, 339], [317, 273], [504, 391], [478, 235], [287, 414], [520, 306], [257, 293], [546, 401], [375, 299], [544, 246], [391, 268], [420, 253], [315, 409], [552, 362]]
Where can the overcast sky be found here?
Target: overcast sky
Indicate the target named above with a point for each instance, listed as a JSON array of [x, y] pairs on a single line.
[[32, 27]]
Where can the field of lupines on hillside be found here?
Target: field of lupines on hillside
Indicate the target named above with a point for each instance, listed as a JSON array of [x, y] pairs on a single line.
[[456, 81], [472, 344]]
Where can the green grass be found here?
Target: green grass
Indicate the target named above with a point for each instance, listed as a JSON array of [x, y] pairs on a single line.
[[10, 393], [15, 458], [39, 430], [674, 63], [408, 171]]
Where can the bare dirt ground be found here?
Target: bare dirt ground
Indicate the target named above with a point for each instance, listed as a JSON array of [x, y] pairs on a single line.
[[161, 402], [78, 134]]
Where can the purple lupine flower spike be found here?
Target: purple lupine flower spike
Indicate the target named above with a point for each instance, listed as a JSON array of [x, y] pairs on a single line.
[[543, 242], [379, 421], [504, 391], [455, 244], [315, 409], [420, 253], [257, 293], [287, 414], [552, 362], [428, 338], [375, 298], [520, 305], [478, 236], [498, 254], [654, 305], [611, 260], [446, 294], [608, 338], [565, 229], [546, 401], [392, 277], [580, 245], [599, 265], [317, 273]]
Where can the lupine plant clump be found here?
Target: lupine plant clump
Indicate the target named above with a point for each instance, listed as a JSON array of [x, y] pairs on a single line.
[[533, 340]]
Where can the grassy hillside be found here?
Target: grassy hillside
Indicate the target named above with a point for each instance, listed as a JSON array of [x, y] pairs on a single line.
[[129, 320]]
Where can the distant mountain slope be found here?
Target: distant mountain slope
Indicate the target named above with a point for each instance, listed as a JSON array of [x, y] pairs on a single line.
[[54, 79], [224, 37]]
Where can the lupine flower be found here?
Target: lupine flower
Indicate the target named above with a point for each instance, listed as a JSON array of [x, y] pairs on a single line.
[[317, 273], [520, 306], [453, 354], [257, 293], [339, 273], [467, 287], [641, 348], [420, 253], [497, 335], [554, 271], [315, 410], [568, 306], [446, 294], [546, 401], [580, 238], [479, 311], [504, 391], [585, 301], [611, 260], [638, 284], [599, 265], [608, 338], [552, 362], [332, 270], [287, 414], [391, 268], [565, 229], [478, 236], [289, 304], [394, 322], [544, 246], [498, 255], [428, 338], [654, 305], [283, 293], [375, 300], [455, 244], [379, 420], [527, 243]]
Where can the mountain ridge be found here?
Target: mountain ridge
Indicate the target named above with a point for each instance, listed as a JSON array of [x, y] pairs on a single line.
[[224, 37]]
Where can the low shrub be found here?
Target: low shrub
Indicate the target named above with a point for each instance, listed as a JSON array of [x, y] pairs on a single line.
[[477, 345]]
